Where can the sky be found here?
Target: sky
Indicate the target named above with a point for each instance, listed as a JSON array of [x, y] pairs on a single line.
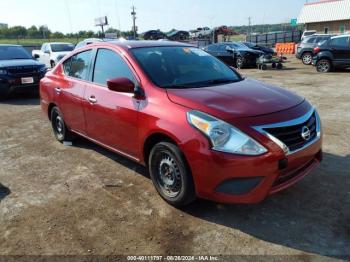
[[73, 15]]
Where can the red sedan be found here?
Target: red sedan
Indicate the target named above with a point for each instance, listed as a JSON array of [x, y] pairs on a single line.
[[200, 127]]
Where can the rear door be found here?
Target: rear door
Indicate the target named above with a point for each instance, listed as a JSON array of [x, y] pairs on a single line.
[[112, 117], [340, 47], [70, 93]]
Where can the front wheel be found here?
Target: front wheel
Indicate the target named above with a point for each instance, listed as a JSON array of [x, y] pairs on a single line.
[[59, 127], [170, 175], [53, 64], [323, 66], [240, 62]]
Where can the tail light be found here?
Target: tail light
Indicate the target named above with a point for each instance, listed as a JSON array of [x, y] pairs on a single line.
[[317, 50]]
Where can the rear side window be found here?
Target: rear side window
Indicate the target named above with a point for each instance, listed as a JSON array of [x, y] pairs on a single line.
[[110, 65], [79, 66], [310, 40], [340, 42]]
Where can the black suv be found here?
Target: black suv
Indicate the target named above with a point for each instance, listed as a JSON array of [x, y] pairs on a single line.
[[306, 47], [18, 70], [332, 54]]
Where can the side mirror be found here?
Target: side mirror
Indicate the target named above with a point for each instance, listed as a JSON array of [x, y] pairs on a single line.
[[36, 56], [230, 49], [122, 85]]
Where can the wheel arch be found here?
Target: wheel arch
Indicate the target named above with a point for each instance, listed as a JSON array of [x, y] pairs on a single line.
[[154, 139], [51, 105]]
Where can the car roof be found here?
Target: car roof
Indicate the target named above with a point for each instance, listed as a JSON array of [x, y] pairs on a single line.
[[340, 36], [140, 44]]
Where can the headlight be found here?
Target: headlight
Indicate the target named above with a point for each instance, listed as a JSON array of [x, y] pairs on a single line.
[[224, 137], [3, 72], [42, 68]]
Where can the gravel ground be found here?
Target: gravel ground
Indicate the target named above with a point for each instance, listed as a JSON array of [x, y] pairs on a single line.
[[85, 200]]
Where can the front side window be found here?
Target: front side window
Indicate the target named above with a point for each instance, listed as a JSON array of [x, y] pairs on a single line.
[[183, 67], [79, 66], [67, 66], [340, 42], [110, 65]]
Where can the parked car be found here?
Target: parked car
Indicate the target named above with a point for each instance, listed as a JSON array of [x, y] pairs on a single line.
[[202, 32], [18, 71], [200, 127], [307, 33], [90, 41], [305, 50], [178, 35], [333, 53], [266, 50], [234, 54], [51, 53], [154, 35]]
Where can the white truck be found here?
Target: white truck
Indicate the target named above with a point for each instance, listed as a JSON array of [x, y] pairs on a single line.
[[202, 32], [51, 53]]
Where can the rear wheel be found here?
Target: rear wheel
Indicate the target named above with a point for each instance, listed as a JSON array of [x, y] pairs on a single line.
[[59, 127], [323, 66], [53, 64], [4, 94], [307, 58], [170, 174]]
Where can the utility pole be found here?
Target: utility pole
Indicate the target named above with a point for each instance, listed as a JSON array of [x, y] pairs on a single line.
[[133, 14], [250, 27]]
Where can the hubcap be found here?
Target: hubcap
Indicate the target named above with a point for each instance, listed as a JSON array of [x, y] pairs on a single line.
[[307, 59], [169, 176], [323, 66]]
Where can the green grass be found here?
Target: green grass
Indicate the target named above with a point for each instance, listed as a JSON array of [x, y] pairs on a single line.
[[38, 42]]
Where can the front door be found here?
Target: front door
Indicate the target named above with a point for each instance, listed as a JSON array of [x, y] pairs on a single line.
[[341, 50], [111, 117]]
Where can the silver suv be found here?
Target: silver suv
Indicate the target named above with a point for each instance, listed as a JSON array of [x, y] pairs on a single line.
[[305, 50]]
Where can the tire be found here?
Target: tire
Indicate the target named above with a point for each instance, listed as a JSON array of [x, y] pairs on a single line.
[[200, 36], [279, 66], [274, 65], [170, 174], [53, 64], [324, 66], [263, 67], [306, 58], [239, 62], [59, 127]]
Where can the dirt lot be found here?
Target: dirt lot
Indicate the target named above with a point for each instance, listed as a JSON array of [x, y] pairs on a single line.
[[60, 200]]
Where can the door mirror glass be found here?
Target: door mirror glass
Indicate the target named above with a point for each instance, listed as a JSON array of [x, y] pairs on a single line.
[[122, 85], [230, 49]]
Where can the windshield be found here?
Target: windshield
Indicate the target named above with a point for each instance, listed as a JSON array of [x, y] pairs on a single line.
[[13, 52], [183, 67], [62, 47]]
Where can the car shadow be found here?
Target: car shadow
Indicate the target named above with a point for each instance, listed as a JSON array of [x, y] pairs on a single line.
[[4, 192], [24, 99], [313, 216]]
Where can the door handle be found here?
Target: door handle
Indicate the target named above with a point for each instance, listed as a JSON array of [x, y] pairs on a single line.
[[92, 100], [58, 90]]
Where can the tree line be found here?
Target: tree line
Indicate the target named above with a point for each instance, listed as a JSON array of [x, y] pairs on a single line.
[[42, 32]]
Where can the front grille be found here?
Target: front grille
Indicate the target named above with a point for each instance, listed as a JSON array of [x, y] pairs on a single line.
[[292, 137], [22, 70]]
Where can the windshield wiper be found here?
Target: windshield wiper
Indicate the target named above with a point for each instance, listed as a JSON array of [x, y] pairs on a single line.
[[218, 82]]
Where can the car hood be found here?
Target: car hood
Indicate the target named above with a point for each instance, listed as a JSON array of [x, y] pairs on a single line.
[[19, 62], [246, 98]]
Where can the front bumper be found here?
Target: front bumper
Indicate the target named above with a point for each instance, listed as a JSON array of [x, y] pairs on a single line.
[[13, 85], [228, 178]]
